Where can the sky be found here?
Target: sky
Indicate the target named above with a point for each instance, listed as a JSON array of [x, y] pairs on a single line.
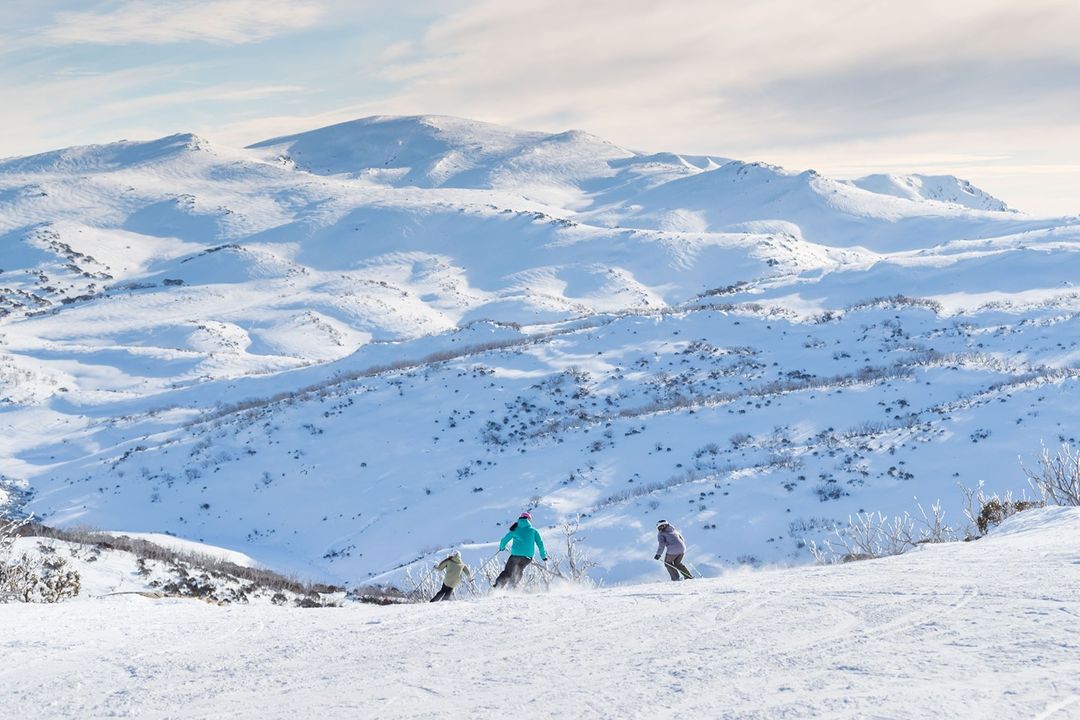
[[985, 89]]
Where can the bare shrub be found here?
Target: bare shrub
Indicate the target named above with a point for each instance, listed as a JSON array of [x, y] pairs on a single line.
[[420, 587], [897, 301], [875, 535], [740, 440], [577, 561], [1058, 478], [9, 530]]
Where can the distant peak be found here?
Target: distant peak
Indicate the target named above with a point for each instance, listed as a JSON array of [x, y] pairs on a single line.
[[402, 127], [109, 156], [938, 188]]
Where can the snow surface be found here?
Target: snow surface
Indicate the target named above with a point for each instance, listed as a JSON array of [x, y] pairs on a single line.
[[345, 351], [981, 629]]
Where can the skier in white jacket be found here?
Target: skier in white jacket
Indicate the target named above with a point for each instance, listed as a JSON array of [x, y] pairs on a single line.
[[671, 540]]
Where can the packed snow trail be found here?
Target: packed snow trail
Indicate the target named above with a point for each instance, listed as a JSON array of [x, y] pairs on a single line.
[[984, 629]]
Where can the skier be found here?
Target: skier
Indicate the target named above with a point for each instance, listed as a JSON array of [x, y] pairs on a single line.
[[454, 568], [526, 541], [671, 540]]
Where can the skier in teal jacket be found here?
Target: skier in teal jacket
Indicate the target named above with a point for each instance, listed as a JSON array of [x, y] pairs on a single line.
[[526, 540]]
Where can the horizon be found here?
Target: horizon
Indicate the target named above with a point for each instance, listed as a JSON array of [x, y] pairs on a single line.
[[982, 93]]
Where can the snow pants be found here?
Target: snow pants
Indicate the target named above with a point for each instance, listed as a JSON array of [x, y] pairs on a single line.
[[675, 567], [443, 594], [511, 574]]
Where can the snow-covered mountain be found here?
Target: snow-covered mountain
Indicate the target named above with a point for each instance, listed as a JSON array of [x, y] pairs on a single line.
[[341, 351]]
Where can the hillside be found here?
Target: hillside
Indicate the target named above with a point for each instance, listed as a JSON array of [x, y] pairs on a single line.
[[982, 629], [344, 351]]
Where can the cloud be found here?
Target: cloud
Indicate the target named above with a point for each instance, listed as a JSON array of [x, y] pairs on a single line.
[[195, 96], [784, 69], [175, 21], [828, 84]]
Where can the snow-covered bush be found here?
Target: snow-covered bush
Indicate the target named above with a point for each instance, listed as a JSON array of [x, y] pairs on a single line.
[[1058, 477], [40, 576], [168, 572], [995, 511], [35, 577], [988, 511]]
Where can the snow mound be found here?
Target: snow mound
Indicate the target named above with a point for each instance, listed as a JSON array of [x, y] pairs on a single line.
[[1048, 525]]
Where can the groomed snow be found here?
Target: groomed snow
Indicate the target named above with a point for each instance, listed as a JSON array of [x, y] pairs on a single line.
[[966, 630]]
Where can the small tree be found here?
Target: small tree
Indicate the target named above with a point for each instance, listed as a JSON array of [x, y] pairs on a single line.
[[578, 562]]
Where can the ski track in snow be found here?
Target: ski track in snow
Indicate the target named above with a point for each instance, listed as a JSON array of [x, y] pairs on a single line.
[[984, 629]]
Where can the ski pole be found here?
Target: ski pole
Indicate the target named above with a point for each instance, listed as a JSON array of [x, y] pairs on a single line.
[[551, 575], [543, 567], [483, 569], [418, 590], [693, 571]]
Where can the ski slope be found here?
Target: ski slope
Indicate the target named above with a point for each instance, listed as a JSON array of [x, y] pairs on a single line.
[[981, 629]]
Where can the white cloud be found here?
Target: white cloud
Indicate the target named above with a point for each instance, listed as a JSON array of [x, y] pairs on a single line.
[[173, 21]]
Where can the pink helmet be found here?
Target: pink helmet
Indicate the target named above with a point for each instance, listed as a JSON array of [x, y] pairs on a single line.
[[525, 516]]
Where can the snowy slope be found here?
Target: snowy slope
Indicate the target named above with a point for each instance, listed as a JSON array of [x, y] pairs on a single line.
[[942, 188], [414, 327], [983, 629]]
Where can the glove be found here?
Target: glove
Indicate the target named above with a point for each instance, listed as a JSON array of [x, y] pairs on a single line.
[[657, 557], [543, 559]]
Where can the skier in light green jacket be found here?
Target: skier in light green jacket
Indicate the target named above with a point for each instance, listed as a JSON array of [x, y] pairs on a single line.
[[455, 569]]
